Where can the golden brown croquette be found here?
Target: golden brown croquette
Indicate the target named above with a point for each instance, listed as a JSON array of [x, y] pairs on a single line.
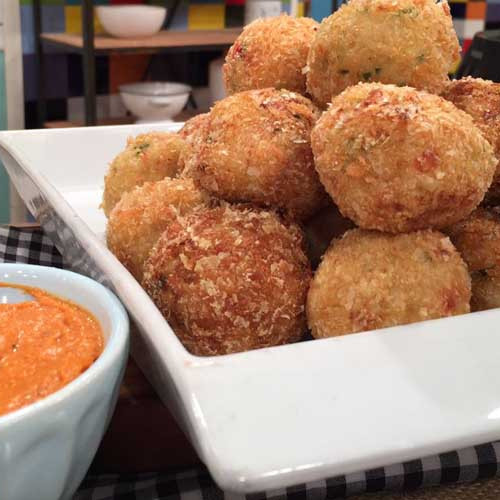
[[230, 279], [397, 159], [256, 148], [270, 52], [403, 42], [369, 280], [147, 157]]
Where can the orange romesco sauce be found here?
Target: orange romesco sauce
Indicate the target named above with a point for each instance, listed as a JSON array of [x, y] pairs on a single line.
[[44, 344]]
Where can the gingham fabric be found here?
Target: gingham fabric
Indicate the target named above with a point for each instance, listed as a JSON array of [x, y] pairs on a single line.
[[29, 246], [469, 464], [478, 462]]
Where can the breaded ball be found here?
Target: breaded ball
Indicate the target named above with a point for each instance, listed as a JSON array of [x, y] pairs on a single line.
[[322, 228], [256, 148], [270, 52], [397, 159], [369, 280], [480, 99], [230, 279], [147, 157], [477, 238], [403, 42], [140, 217]]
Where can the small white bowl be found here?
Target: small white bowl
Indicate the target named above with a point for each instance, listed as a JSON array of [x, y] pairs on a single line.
[[155, 101], [47, 447], [131, 21]]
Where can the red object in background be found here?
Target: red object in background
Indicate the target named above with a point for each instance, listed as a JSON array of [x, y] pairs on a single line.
[[465, 46], [235, 2], [126, 68]]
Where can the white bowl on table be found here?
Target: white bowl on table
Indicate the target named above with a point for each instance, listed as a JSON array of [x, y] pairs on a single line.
[[155, 101], [47, 447], [131, 21]]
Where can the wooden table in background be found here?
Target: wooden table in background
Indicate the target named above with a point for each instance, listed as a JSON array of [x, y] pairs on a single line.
[[164, 40]]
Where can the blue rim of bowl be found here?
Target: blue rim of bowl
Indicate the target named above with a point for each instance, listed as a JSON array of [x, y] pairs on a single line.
[[117, 341]]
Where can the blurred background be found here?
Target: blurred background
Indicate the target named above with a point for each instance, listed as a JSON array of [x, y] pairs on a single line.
[[59, 68]]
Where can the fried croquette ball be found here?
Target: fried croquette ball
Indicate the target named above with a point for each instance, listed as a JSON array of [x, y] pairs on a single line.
[[480, 99], [270, 52], [230, 279], [147, 157], [140, 217], [477, 238], [256, 148], [403, 42], [397, 159], [322, 228], [369, 280]]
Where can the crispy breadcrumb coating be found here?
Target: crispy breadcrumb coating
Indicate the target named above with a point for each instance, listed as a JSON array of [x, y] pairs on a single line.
[[230, 279], [192, 133], [140, 217], [369, 280], [480, 99], [191, 127], [403, 42], [477, 238], [256, 148], [397, 159], [270, 52], [147, 157]]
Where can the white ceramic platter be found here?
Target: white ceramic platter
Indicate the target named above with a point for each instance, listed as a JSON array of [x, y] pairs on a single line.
[[280, 416]]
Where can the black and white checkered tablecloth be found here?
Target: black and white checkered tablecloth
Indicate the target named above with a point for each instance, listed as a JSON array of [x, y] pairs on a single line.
[[478, 462]]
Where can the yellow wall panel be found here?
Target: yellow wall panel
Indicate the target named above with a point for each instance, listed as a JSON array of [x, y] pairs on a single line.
[[206, 16], [73, 14]]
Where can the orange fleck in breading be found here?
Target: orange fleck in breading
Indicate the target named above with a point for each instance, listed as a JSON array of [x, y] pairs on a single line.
[[369, 280], [229, 279]]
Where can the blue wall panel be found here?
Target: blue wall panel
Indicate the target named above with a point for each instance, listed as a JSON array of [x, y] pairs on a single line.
[[320, 9]]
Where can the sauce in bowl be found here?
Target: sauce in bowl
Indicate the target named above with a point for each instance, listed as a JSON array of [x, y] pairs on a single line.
[[44, 345]]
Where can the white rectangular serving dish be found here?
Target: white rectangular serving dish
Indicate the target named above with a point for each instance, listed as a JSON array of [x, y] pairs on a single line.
[[280, 416]]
